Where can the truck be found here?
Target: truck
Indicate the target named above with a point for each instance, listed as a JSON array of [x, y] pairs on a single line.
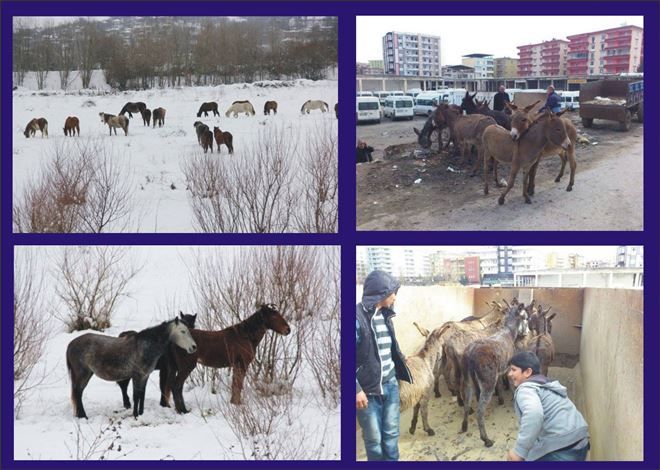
[[612, 100]]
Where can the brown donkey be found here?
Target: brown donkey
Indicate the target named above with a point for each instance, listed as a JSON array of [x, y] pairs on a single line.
[[234, 347], [526, 151]]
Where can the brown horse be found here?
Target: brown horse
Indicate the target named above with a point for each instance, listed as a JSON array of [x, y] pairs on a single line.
[[223, 138], [71, 125], [36, 124], [146, 117], [207, 140], [206, 107], [159, 117], [132, 108], [270, 105], [233, 347]]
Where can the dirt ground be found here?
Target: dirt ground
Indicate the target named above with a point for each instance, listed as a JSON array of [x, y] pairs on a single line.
[[408, 188], [445, 418]]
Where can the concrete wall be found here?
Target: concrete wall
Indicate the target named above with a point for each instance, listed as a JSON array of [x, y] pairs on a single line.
[[567, 304], [612, 366]]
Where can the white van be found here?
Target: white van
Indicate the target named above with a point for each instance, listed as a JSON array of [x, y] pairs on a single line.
[[426, 102], [414, 92], [570, 100], [397, 107], [367, 108], [364, 93], [381, 95]]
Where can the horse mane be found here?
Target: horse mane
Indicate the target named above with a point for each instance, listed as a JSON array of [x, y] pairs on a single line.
[[252, 324], [154, 332]]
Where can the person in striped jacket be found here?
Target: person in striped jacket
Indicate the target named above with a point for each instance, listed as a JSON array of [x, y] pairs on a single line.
[[379, 366]]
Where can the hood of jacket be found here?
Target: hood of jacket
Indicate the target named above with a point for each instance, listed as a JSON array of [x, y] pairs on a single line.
[[539, 381], [378, 286]]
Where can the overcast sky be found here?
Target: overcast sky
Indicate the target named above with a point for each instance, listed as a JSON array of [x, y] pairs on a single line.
[[512, 31]]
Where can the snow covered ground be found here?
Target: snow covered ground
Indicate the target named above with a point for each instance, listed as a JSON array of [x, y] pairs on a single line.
[[46, 429], [152, 159]]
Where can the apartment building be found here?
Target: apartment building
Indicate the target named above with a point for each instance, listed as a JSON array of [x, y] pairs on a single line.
[[610, 51], [547, 59], [483, 64], [505, 67], [411, 54]]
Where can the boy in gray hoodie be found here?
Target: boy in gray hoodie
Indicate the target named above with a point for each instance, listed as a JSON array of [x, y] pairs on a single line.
[[551, 427]]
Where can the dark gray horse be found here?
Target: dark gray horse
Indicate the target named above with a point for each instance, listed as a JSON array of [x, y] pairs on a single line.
[[165, 365], [114, 359]]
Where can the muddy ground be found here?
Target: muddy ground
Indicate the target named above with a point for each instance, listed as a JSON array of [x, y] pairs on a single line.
[[407, 188], [445, 418]]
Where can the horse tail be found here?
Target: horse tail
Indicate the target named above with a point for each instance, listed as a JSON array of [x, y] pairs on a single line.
[[327, 108], [251, 108], [302, 109]]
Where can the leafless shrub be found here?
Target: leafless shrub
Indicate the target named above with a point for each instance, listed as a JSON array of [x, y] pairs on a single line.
[[31, 324], [228, 289], [319, 182], [92, 280], [323, 352], [95, 443], [252, 192], [272, 428], [81, 189]]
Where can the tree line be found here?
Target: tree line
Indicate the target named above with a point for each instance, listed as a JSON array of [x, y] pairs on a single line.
[[158, 53]]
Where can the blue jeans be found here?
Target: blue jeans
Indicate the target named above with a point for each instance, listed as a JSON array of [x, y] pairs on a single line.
[[576, 455], [380, 423]]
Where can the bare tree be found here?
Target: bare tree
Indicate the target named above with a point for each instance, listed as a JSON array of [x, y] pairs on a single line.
[[92, 281], [252, 194], [82, 189], [86, 50], [31, 323], [65, 60], [319, 180]]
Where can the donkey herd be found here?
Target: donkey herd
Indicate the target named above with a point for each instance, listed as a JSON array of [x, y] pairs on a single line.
[[174, 348], [517, 137], [473, 355], [157, 116]]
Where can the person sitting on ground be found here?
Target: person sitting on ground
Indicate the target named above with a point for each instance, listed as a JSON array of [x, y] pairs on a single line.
[[551, 427], [363, 152]]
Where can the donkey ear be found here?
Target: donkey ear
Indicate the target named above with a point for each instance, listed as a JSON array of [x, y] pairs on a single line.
[[511, 106], [551, 316], [416, 130], [561, 112], [529, 108]]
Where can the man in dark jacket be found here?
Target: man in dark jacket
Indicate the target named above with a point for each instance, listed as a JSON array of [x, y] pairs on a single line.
[[551, 427], [500, 98], [363, 152], [552, 102], [379, 363]]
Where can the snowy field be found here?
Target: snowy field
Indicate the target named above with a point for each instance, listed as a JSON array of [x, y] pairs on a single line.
[[151, 160], [45, 428]]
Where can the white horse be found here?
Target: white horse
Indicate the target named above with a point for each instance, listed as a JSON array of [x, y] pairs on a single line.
[[240, 107], [114, 122], [311, 105]]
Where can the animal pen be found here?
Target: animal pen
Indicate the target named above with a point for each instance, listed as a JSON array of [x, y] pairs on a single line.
[[598, 336]]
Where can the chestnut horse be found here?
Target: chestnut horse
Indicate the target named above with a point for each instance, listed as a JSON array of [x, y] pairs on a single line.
[[71, 125], [234, 347], [159, 117], [223, 138]]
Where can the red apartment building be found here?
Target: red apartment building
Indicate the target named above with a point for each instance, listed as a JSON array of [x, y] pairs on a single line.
[[610, 51], [545, 59], [472, 270]]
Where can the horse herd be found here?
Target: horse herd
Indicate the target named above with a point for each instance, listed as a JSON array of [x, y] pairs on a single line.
[[516, 137], [175, 348], [157, 116], [473, 356]]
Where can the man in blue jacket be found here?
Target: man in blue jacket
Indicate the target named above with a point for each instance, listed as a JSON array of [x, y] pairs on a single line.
[[551, 427], [379, 363], [552, 102]]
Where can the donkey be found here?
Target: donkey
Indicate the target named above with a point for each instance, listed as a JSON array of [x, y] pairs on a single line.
[[240, 107], [486, 360], [233, 347], [270, 106], [165, 365], [520, 122], [130, 108], [159, 116], [114, 122], [472, 106], [525, 152], [36, 124], [206, 107], [542, 344], [71, 125], [223, 138], [114, 359], [311, 105]]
